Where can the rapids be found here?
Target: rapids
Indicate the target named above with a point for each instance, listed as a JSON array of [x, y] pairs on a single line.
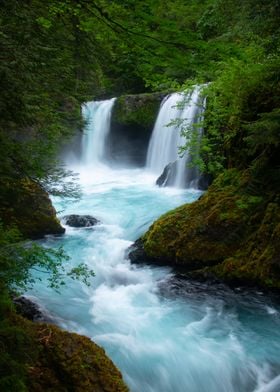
[[165, 333]]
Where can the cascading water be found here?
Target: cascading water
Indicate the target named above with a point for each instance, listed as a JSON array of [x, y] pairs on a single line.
[[97, 115], [186, 110], [165, 334]]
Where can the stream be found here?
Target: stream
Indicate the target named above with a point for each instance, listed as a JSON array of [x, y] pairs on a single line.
[[165, 333]]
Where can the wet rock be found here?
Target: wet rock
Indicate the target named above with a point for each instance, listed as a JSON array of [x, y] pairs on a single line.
[[79, 220], [168, 175], [29, 309], [205, 180], [136, 253]]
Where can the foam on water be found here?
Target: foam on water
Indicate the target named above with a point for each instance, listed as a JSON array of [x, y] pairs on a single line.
[[164, 333]]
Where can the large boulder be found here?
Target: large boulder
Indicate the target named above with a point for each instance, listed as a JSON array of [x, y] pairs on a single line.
[[74, 220], [228, 232], [168, 174], [71, 362], [57, 360], [26, 204]]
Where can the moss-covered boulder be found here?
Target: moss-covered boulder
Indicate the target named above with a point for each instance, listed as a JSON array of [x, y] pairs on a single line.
[[40, 357], [71, 362], [25, 204], [132, 122], [230, 231], [258, 261]]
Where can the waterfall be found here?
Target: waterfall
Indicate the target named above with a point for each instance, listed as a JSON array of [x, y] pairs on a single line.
[[163, 154], [97, 115]]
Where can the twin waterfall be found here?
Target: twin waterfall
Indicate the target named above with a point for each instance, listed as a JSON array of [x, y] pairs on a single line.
[[165, 332], [178, 111]]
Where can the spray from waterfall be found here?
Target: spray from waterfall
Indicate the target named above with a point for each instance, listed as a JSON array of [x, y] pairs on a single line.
[[163, 152]]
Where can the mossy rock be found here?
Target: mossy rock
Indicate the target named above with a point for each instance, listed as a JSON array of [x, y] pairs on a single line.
[[26, 205], [71, 362], [200, 233], [138, 109], [228, 232], [48, 359], [258, 261]]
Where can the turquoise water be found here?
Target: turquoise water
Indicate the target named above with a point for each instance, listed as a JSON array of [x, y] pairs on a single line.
[[165, 334]]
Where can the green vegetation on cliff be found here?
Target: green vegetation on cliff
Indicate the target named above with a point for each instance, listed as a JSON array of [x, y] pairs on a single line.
[[140, 109]]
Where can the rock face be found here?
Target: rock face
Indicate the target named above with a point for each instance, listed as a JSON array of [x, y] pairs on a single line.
[[28, 309], [232, 233], [29, 207], [137, 254], [132, 123], [79, 220], [167, 175]]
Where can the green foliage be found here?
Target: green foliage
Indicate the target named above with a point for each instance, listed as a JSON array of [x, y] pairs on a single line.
[[18, 258], [14, 345], [140, 109]]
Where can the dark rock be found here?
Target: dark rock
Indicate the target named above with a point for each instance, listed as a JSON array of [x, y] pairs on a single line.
[[216, 233], [132, 122], [29, 309], [79, 220], [205, 180], [168, 175], [136, 253]]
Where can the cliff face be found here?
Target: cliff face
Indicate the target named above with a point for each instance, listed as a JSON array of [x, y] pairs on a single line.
[[229, 232], [132, 123], [26, 205]]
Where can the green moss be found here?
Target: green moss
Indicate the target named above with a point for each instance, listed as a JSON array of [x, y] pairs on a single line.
[[203, 232], [27, 205], [70, 362], [234, 234], [258, 261], [140, 109], [42, 357]]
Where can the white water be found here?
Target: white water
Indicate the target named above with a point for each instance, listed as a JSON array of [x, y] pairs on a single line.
[[164, 333], [97, 115], [166, 139]]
